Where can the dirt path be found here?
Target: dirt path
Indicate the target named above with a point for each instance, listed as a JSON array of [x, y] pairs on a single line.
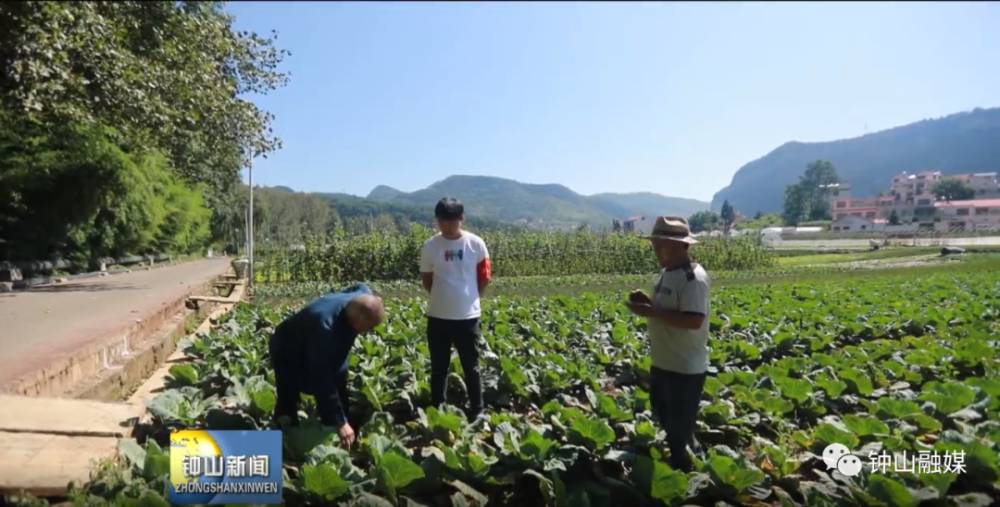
[[41, 325]]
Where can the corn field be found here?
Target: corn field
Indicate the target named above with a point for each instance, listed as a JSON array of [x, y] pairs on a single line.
[[387, 257]]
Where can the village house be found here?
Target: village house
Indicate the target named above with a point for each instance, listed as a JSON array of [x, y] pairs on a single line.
[[856, 223], [640, 224], [986, 185], [912, 200], [971, 214], [842, 205], [643, 224]]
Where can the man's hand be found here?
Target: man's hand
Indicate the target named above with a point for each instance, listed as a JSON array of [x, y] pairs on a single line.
[[640, 297], [346, 433], [640, 309]]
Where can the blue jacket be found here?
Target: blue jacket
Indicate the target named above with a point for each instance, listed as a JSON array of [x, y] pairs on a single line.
[[317, 341]]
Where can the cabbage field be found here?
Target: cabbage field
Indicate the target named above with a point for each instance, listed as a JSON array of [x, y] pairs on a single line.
[[886, 365]]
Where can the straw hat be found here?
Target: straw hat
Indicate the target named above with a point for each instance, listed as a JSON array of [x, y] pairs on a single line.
[[672, 228]]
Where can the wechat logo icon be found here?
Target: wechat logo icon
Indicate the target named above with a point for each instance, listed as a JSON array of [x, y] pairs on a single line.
[[837, 456]]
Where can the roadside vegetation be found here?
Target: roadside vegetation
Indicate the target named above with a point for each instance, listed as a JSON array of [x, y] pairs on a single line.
[[114, 142]]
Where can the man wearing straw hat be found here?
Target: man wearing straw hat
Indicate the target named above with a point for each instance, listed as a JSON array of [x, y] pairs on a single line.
[[678, 314]]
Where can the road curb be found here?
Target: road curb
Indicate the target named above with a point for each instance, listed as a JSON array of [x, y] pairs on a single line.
[[31, 282]]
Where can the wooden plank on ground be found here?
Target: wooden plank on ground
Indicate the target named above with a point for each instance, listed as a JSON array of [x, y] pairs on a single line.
[[66, 416], [43, 464]]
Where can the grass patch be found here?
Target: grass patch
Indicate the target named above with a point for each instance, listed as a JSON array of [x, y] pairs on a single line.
[[838, 257]]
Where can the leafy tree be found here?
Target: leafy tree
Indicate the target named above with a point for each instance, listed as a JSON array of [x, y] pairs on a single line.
[[167, 76], [727, 213], [809, 199], [893, 218], [795, 205], [705, 221], [348, 206], [166, 72], [289, 217], [816, 186], [758, 215], [952, 189], [69, 191], [283, 217]]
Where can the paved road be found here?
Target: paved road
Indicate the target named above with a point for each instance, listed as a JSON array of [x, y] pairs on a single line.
[[43, 324], [848, 243]]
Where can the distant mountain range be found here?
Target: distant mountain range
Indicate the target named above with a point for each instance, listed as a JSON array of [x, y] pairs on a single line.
[[960, 143], [510, 201]]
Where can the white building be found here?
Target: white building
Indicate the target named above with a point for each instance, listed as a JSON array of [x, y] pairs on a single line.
[[854, 223], [972, 214], [640, 224]]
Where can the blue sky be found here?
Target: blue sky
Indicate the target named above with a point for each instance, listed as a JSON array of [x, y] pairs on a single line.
[[664, 97]]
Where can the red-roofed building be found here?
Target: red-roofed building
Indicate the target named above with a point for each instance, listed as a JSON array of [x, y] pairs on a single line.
[[843, 206], [911, 197]]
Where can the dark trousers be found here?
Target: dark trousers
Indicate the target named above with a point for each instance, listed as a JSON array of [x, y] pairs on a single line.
[[674, 398], [464, 335], [291, 380]]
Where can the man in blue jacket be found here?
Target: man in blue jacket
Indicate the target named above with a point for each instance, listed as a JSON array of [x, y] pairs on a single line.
[[310, 353]]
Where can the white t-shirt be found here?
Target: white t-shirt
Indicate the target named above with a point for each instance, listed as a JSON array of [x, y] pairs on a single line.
[[674, 349], [456, 264]]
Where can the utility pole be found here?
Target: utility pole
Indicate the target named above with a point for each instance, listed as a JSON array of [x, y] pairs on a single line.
[[246, 231], [250, 227]]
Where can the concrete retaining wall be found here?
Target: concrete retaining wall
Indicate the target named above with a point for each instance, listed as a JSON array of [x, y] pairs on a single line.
[[117, 348], [46, 443], [117, 381], [157, 381]]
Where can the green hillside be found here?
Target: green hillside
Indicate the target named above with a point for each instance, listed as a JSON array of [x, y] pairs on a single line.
[[956, 144], [508, 200], [351, 207], [284, 216], [383, 193], [648, 203]]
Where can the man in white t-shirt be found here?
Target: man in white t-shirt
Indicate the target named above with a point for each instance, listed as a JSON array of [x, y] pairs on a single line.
[[455, 270], [678, 315]]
